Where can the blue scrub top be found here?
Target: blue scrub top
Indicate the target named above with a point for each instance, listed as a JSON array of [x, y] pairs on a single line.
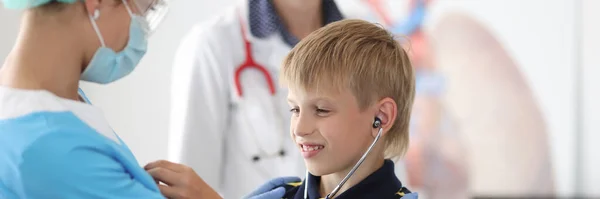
[[52, 147]]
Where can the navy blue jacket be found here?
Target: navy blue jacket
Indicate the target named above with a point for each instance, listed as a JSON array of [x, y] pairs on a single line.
[[381, 184]]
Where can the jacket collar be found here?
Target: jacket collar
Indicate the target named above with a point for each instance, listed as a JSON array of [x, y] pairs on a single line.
[[382, 183]]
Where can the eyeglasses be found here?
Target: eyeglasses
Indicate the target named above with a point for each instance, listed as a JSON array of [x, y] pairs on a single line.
[[153, 11]]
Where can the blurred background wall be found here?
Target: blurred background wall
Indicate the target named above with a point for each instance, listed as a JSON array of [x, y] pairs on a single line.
[[549, 87]]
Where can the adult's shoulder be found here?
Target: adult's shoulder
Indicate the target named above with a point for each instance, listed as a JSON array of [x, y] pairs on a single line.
[[213, 32]]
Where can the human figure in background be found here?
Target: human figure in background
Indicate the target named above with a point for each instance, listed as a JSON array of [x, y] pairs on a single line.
[[229, 117]]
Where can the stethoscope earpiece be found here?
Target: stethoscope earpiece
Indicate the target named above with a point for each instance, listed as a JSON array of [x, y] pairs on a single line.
[[96, 14], [377, 123]]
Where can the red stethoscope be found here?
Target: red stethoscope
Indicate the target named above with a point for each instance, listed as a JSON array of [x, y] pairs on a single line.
[[249, 63]]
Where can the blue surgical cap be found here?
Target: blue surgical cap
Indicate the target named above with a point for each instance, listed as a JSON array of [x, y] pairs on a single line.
[[26, 4]]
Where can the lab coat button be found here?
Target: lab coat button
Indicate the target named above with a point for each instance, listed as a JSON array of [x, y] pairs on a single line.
[[282, 153], [255, 158]]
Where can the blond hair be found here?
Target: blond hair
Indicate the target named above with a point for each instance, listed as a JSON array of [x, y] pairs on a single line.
[[360, 56]]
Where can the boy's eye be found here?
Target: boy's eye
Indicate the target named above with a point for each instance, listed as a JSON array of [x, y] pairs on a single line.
[[295, 110], [322, 111]]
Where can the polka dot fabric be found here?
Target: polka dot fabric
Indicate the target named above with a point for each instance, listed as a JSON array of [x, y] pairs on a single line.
[[264, 20]]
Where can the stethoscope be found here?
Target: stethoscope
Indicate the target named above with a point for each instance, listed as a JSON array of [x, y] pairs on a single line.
[[249, 63], [376, 124]]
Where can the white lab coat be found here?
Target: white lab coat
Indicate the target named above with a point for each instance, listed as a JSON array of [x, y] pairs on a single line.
[[213, 130]]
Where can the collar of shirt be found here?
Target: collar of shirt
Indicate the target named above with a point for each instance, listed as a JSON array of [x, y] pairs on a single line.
[[264, 20], [380, 184]]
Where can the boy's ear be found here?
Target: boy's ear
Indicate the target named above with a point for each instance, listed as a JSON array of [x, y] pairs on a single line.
[[387, 113]]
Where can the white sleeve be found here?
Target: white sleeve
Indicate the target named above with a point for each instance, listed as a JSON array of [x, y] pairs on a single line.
[[199, 107]]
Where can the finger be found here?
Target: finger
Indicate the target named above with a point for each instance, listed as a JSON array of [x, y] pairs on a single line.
[[168, 192], [273, 194], [166, 164], [164, 175]]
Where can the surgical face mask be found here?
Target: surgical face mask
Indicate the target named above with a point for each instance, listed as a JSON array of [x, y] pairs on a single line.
[[107, 65]]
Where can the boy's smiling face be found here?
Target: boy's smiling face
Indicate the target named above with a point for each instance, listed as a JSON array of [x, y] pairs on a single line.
[[329, 129]]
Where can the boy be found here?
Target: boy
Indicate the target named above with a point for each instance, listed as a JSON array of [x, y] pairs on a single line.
[[342, 79]]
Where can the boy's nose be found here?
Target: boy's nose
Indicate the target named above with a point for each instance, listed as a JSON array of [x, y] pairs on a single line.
[[304, 126]]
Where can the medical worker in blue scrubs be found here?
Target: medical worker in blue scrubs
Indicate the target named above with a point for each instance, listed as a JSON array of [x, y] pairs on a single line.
[[53, 142]]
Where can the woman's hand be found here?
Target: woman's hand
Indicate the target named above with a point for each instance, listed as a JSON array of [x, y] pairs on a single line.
[[180, 181]]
